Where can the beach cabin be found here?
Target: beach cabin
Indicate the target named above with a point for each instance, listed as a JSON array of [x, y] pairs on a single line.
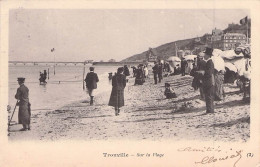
[[190, 60], [174, 63]]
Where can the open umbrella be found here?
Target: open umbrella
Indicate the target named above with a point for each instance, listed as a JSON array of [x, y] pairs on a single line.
[[230, 66], [173, 59], [230, 54], [190, 57]]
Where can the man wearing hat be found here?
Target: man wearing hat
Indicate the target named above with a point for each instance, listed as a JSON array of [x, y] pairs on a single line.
[[91, 83], [155, 72], [209, 81], [24, 114]]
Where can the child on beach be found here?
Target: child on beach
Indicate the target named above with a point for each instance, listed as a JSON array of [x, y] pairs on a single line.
[[169, 92]]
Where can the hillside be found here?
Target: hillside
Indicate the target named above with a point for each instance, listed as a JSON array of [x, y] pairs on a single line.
[[166, 50], [163, 51]]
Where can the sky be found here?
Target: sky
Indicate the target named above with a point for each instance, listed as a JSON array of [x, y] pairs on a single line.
[[99, 34]]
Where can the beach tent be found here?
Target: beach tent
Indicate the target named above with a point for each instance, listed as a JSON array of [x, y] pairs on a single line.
[[230, 54], [217, 52], [174, 62], [190, 57], [174, 59], [190, 61], [219, 63], [230, 66], [240, 64]]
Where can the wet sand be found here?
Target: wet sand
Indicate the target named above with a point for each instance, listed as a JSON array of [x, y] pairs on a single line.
[[147, 115]]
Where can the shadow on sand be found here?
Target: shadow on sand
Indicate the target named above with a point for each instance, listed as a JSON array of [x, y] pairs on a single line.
[[186, 111], [233, 122]]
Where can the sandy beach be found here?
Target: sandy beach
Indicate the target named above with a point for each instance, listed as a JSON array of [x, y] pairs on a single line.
[[147, 115]]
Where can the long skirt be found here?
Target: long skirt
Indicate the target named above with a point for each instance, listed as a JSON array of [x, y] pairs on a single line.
[[116, 98], [219, 89], [24, 114], [139, 81]]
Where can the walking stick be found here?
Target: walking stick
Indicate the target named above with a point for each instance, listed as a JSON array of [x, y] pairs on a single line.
[[12, 114]]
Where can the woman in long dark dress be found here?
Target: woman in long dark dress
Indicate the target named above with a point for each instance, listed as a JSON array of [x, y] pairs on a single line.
[[117, 95], [139, 78]]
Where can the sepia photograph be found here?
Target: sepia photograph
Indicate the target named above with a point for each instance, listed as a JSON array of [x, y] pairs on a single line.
[[156, 75], [135, 74]]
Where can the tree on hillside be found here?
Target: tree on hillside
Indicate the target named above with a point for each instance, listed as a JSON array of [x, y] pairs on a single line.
[[239, 28]]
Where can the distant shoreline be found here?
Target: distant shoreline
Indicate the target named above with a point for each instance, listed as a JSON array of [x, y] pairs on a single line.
[[115, 63]]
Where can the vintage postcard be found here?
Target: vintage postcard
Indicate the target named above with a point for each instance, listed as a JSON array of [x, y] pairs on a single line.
[[142, 83]]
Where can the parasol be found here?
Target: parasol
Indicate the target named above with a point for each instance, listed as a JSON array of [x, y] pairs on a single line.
[[173, 59]]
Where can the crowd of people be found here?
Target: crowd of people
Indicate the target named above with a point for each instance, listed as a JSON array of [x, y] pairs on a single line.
[[207, 79]]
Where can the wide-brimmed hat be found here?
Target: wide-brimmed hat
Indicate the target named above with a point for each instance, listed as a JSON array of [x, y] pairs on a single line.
[[91, 68], [21, 79], [208, 51], [120, 69]]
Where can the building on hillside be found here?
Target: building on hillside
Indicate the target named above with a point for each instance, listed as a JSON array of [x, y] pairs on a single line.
[[216, 34], [229, 41], [151, 55]]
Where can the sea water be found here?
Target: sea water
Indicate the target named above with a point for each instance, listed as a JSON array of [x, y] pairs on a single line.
[[65, 87]]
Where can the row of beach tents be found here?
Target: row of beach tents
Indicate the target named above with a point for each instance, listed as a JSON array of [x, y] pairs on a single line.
[[237, 60]]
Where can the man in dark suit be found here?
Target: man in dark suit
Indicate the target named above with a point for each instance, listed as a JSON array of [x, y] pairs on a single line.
[[91, 83], [155, 72], [160, 71], [201, 67], [209, 80]]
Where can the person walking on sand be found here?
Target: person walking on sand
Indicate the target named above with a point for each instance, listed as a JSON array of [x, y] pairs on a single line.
[[183, 66], [209, 81], [160, 71], [126, 72], [24, 113], [91, 83], [155, 72], [146, 72], [117, 95]]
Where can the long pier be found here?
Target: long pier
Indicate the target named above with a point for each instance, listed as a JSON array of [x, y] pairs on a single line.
[[90, 62], [50, 62]]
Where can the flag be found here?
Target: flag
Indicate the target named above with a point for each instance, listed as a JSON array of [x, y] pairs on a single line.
[[243, 21]]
